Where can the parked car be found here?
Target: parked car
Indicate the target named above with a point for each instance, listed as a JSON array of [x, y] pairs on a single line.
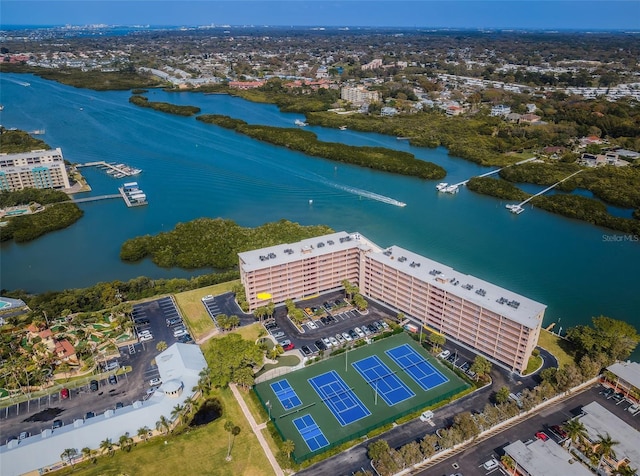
[[321, 345], [93, 385], [145, 338], [334, 341], [180, 332], [278, 334], [57, 424], [185, 339], [312, 325], [113, 379], [372, 328], [340, 338], [284, 343], [24, 435], [558, 430], [89, 415], [306, 350], [491, 464], [352, 333], [360, 332], [64, 393], [119, 405], [426, 416], [155, 381], [384, 325], [347, 337], [444, 354], [289, 346], [327, 342], [142, 322], [541, 435]]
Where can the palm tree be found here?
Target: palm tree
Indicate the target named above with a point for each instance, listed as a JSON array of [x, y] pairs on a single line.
[[288, 447], [125, 442], [161, 346], [143, 433], [106, 446], [69, 454], [163, 424], [87, 452], [176, 412], [605, 448], [626, 470], [575, 431]]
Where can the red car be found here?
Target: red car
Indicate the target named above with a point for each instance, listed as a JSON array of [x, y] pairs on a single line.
[[542, 436], [64, 393], [558, 430], [289, 346]]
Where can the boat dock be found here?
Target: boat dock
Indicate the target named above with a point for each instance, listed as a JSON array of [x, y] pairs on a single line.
[[95, 199], [518, 209], [132, 195], [453, 188], [115, 170]]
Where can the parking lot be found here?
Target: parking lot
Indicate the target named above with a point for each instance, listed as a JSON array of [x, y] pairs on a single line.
[[68, 404], [337, 326]]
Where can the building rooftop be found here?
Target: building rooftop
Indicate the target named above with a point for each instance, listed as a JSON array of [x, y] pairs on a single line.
[[290, 252], [600, 421], [545, 458], [181, 362], [494, 298], [627, 371]]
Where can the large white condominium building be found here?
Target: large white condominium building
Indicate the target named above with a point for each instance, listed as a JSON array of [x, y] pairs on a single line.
[[498, 323]]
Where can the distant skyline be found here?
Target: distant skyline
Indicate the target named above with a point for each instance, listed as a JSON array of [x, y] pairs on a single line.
[[503, 14]]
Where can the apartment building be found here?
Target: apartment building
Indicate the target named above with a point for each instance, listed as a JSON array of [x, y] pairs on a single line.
[[359, 95], [35, 169], [496, 322]]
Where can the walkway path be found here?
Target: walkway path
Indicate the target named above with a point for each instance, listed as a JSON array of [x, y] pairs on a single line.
[[257, 430]]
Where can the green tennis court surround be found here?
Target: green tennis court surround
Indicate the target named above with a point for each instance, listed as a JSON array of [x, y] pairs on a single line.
[[347, 396]]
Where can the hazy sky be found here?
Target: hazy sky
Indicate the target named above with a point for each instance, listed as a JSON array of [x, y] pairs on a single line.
[[546, 14]]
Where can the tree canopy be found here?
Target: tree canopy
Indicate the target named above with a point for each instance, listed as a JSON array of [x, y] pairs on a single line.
[[612, 338], [228, 357]]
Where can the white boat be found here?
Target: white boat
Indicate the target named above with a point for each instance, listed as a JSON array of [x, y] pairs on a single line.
[[300, 123], [441, 186], [38, 132], [451, 189], [513, 208], [343, 128], [1, 107]]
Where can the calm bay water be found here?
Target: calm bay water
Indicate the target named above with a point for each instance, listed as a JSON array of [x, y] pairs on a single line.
[[193, 170]]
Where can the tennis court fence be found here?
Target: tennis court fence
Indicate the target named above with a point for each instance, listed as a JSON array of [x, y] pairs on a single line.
[[362, 431]]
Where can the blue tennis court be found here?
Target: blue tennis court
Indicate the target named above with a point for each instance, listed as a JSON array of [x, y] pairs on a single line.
[[312, 435], [287, 396], [343, 403], [385, 383], [418, 368]]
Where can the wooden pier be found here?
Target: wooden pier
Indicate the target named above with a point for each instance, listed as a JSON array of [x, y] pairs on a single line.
[[95, 199], [117, 170], [519, 207]]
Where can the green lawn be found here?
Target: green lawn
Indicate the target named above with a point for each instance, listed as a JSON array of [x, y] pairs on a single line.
[[556, 345], [194, 312], [199, 451]]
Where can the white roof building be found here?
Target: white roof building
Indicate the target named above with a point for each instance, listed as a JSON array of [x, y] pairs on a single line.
[[544, 458], [178, 366]]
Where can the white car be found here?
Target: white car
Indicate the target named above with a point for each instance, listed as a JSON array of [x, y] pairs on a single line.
[[334, 342], [284, 343], [155, 381], [444, 354], [312, 325], [426, 416], [145, 338], [144, 333], [180, 332], [347, 337], [491, 464], [340, 338], [359, 331]]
